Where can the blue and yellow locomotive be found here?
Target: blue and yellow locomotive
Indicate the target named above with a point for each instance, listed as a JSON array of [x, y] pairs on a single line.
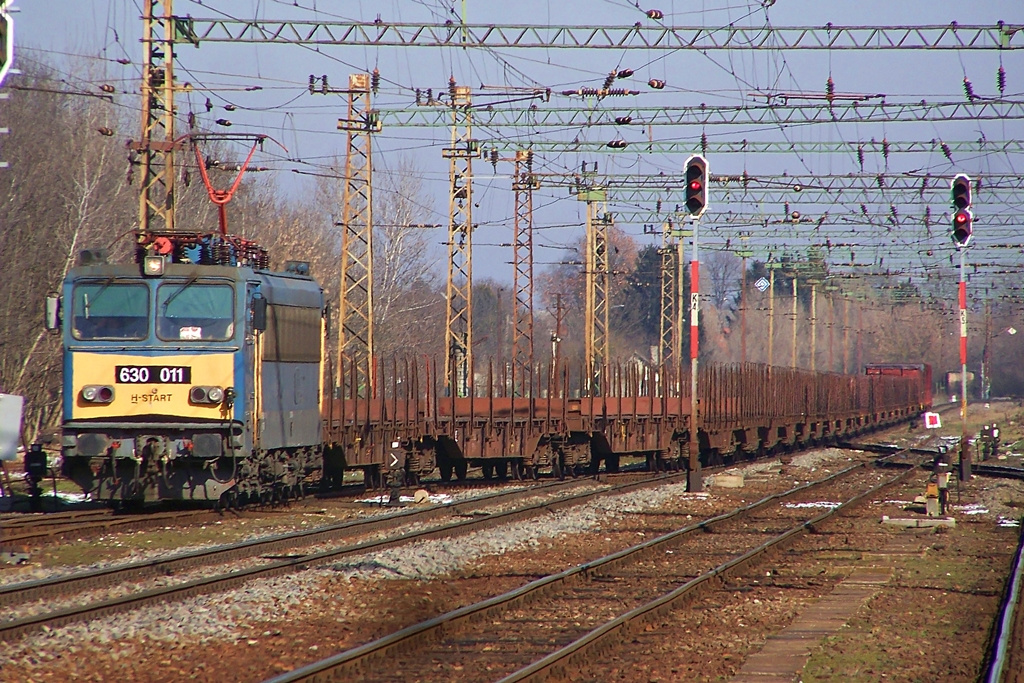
[[194, 374]]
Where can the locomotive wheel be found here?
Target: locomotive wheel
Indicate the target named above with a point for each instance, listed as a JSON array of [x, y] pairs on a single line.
[[461, 468], [503, 470], [488, 470], [445, 469]]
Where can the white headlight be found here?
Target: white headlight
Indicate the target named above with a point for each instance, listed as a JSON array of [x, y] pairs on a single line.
[[215, 395], [89, 393]]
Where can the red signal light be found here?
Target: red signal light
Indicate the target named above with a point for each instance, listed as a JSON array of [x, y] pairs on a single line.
[[961, 218], [695, 185]]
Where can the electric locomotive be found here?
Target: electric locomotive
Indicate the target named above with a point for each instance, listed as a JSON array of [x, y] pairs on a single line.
[[193, 374]]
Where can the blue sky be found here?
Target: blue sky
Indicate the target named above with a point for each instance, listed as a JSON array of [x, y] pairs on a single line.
[[88, 36]]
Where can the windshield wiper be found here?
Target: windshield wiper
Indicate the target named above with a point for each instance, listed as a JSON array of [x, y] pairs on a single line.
[[85, 295], [191, 281]]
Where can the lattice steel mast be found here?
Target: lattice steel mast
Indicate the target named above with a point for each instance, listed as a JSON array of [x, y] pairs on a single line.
[[523, 184], [458, 342], [156, 148], [355, 336], [597, 276]]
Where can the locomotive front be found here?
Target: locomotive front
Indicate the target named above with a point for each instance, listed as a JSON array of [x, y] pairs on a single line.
[[156, 377]]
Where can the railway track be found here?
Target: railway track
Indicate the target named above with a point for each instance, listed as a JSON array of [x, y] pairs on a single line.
[[16, 596], [1006, 646], [18, 532], [555, 624]]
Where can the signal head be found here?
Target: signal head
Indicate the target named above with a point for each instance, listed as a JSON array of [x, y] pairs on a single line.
[[960, 191], [696, 185], [963, 227]]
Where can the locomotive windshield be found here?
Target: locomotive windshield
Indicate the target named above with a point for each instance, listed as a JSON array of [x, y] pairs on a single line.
[[195, 311], [110, 310]]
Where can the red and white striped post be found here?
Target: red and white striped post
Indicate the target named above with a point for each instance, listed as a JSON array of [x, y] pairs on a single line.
[[697, 178], [965, 453], [695, 480]]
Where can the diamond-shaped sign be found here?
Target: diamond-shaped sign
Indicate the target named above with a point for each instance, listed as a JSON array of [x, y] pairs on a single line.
[[762, 284]]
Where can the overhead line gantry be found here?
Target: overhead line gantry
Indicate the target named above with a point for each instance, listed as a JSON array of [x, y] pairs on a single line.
[[999, 36], [612, 113]]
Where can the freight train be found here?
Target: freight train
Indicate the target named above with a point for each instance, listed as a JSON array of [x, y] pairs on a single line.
[[197, 373]]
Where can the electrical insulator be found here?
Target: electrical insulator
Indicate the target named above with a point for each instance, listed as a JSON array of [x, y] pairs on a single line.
[[418, 97], [323, 84], [969, 89], [375, 81], [617, 144], [229, 107], [624, 73], [880, 179], [223, 122], [655, 14], [191, 119], [795, 216], [946, 151], [860, 157], [209, 105], [623, 120], [885, 149], [107, 88], [609, 80], [451, 87], [656, 83], [430, 95], [830, 89], [104, 131], [1001, 79], [703, 142], [312, 85]]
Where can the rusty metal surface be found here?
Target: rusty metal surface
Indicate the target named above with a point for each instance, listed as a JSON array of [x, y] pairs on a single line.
[[631, 409]]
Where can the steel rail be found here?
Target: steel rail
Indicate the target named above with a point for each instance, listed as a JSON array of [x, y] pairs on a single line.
[[353, 660], [222, 582], [1008, 617], [32, 533], [108, 576]]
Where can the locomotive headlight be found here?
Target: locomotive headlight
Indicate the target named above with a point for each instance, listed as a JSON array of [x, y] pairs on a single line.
[[208, 395], [153, 266], [95, 393]]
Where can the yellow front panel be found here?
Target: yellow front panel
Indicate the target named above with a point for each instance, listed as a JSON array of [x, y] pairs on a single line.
[[153, 398]]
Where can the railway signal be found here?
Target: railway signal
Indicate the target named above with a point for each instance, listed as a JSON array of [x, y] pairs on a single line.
[[963, 221], [696, 185], [963, 218], [960, 191]]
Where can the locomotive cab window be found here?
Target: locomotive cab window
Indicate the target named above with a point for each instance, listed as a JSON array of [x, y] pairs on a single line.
[[110, 310], [195, 311]]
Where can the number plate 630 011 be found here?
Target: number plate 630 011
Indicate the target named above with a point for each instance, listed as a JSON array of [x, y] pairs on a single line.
[[152, 374]]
